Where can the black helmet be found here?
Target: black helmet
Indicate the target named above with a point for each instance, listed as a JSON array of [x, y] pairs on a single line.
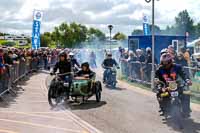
[[86, 64], [62, 54]]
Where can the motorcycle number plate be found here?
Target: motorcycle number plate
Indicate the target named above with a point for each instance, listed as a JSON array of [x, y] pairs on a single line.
[[174, 94], [66, 84]]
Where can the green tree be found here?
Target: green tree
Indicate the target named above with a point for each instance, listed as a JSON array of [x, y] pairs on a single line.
[[197, 30], [137, 32], [157, 29], [45, 39], [96, 34], [184, 23], [119, 36], [70, 35]]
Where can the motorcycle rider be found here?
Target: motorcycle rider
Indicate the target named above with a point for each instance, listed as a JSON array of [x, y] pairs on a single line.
[[168, 71], [64, 67], [74, 61], [86, 74], [108, 63], [63, 64]]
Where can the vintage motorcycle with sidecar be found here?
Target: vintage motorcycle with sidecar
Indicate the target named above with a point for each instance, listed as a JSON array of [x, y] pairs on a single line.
[[79, 89]]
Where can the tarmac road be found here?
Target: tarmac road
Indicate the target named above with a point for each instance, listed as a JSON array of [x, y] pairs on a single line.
[[128, 109]]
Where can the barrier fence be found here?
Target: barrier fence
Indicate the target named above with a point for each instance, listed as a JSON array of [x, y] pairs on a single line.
[[136, 71], [141, 73], [19, 70]]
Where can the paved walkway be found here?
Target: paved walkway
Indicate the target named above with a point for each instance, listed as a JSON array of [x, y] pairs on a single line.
[[29, 112]]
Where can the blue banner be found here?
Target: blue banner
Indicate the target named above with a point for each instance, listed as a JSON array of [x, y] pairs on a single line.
[[36, 35], [146, 27], [36, 29]]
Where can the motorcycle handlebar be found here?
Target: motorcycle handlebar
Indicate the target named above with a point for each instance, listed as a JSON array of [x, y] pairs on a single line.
[[63, 74]]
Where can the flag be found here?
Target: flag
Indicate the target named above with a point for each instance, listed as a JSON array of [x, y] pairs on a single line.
[[37, 18]]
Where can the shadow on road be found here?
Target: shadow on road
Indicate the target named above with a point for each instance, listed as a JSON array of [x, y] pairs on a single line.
[[86, 106], [10, 97], [117, 88], [75, 106], [189, 126]]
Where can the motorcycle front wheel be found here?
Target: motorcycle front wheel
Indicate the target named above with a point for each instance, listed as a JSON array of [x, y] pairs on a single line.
[[53, 98], [176, 114]]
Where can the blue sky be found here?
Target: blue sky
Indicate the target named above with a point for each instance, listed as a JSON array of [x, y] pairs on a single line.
[[125, 15]]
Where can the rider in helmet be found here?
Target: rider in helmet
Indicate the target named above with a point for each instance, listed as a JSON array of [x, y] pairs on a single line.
[[168, 71], [63, 65], [86, 71], [73, 60], [108, 63]]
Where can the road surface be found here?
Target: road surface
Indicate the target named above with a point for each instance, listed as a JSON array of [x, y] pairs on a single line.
[[129, 109], [126, 109]]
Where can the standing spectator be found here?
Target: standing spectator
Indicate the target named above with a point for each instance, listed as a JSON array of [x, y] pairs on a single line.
[[132, 58], [140, 56], [183, 62], [8, 57], [2, 63], [186, 55], [172, 51], [140, 60]]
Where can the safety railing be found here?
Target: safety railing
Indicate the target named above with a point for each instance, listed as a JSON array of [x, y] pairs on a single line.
[[141, 73], [136, 71], [19, 70]]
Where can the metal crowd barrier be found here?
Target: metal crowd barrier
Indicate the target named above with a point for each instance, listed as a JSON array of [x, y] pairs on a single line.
[[136, 71], [141, 73], [20, 69], [14, 73]]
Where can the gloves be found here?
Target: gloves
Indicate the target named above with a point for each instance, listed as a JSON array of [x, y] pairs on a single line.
[[189, 82], [52, 73]]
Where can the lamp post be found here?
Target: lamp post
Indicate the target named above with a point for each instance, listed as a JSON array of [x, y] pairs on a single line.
[[153, 43], [110, 27]]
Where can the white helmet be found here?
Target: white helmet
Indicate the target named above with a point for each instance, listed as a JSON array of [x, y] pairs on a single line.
[[163, 51], [148, 49], [71, 54]]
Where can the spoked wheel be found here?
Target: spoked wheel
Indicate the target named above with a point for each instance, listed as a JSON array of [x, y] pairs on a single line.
[[53, 101], [98, 90]]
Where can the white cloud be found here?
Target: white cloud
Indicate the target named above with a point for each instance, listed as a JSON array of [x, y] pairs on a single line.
[[125, 15]]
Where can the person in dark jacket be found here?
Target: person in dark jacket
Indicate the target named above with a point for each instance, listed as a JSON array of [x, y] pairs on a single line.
[[63, 65], [183, 62], [85, 71], [108, 63], [74, 60], [171, 72], [8, 57]]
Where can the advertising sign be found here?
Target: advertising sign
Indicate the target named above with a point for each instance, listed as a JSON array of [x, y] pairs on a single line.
[[37, 18]]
